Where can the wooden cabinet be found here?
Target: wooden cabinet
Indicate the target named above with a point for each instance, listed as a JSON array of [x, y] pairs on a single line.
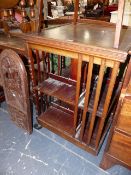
[[118, 149], [121, 147]]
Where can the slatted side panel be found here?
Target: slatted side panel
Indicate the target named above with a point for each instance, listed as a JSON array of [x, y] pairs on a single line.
[[100, 99], [107, 101]]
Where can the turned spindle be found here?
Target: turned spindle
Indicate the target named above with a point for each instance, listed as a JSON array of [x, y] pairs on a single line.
[[23, 11], [32, 11], [11, 15], [5, 15]]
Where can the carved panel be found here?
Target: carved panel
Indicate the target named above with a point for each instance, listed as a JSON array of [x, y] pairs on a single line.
[[15, 83]]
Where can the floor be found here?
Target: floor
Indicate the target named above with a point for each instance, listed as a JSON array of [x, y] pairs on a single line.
[[44, 153]]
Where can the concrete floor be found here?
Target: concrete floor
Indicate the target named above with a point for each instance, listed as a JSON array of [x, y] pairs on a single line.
[[45, 153]]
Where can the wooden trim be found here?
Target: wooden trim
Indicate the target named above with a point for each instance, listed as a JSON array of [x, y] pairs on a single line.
[[72, 49]]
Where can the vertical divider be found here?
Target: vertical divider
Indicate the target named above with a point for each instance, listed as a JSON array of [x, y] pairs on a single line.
[[88, 84], [77, 90], [48, 61], [107, 101], [38, 65], [97, 95], [44, 63], [59, 64]]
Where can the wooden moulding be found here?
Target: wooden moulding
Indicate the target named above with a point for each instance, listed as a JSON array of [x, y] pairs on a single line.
[[71, 49]]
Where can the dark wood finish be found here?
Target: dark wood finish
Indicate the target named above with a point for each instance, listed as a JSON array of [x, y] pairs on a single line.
[[15, 84], [73, 69], [118, 149], [59, 89], [8, 3], [59, 118], [14, 43], [84, 38]]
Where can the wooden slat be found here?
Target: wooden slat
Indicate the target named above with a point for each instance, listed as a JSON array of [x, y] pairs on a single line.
[[88, 84], [107, 101], [59, 64], [77, 90], [97, 95], [48, 61], [119, 22], [97, 60]]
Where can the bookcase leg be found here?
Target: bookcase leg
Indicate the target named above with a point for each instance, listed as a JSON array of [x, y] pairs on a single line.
[[106, 162]]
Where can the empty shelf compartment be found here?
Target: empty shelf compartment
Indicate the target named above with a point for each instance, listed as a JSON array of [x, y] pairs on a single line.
[[57, 119]]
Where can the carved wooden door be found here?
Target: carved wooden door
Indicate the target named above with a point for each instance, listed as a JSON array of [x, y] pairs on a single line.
[[15, 84]]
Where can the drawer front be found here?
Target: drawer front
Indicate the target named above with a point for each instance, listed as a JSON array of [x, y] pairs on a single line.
[[124, 121], [120, 147]]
